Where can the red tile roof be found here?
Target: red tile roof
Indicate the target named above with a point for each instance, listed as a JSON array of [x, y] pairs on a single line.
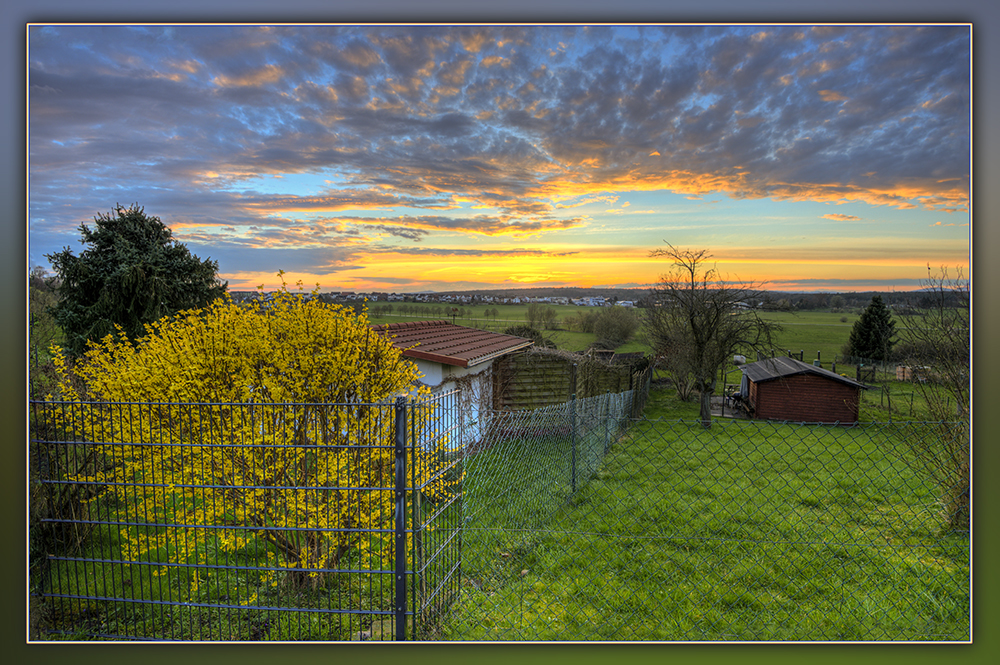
[[449, 344]]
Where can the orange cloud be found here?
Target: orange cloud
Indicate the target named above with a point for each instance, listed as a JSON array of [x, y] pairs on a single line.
[[739, 185], [257, 77], [831, 96], [493, 60], [473, 43], [586, 266]]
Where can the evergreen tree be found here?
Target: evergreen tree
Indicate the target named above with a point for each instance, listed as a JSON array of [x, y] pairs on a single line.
[[131, 273], [872, 334]]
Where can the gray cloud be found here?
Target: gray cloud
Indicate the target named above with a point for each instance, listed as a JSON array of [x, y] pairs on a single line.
[[184, 119]]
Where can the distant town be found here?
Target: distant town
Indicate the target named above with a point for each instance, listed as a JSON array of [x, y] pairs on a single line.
[[475, 298], [899, 301]]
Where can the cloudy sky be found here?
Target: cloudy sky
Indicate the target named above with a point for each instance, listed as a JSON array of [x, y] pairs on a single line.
[[410, 158]]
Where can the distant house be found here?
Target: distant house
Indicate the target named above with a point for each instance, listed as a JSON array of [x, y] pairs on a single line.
[[788, 389], [451, 357]]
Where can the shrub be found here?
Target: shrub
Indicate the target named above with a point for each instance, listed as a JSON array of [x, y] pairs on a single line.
[[616, 325], [320, 363], [583, 322], [533, 334], [541, 315]]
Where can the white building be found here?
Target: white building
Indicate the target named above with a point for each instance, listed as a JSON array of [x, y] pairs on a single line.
[[451, 357]]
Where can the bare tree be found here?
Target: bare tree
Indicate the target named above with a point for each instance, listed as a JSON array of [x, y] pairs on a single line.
[[616, 325], [940, 340], [539, 315], [697, 321], [937, 346]]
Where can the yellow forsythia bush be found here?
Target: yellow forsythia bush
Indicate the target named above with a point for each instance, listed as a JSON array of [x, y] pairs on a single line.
[[266, 410]]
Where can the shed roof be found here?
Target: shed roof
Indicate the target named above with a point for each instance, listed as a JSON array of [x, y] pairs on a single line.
[[450, 344], [781, 366]]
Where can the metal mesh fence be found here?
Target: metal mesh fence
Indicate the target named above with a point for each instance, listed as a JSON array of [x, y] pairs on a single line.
[[572, 522], [747, 531], [228, 522], [528, 463]]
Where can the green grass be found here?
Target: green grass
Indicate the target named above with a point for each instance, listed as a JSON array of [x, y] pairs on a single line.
[[816, 334], [748, 531], [810, 332], [229, 605]]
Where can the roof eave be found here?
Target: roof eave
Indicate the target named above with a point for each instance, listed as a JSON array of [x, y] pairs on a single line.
[[434, 357], [839, 379], [498, 353], [463, 362]]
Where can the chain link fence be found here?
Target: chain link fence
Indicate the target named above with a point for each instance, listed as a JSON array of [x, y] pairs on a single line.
[[745, 531], [531, 461]]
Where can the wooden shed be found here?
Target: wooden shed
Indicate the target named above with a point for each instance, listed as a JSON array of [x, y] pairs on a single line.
[[789, 389]]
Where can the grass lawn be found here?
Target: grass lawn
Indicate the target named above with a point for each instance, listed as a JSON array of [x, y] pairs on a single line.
[[749, 531]]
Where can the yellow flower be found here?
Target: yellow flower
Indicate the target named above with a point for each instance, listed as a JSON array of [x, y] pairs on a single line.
[[242, 367]]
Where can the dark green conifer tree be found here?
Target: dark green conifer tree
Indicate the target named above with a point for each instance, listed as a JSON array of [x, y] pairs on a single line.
[[872, 335], [131, 273]]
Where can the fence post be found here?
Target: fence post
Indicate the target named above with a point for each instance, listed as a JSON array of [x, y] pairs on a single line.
[[399, 436], [607, 421], [572, 429]]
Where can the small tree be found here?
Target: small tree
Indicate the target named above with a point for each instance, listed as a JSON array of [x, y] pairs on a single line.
[[131, 274], [872, 334], [549, 318], [698, 321], [937, 345], [303, 374], [43, 331], [583, 321], [616, 325], [539, 316]]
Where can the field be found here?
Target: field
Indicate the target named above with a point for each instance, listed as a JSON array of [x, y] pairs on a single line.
[[818, 335], [811, 332], [749, 532]]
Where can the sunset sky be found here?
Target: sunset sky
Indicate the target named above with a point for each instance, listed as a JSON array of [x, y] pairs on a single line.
[[414, 158]]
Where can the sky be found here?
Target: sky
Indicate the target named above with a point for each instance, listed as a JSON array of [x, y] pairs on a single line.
[[458, 157]]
